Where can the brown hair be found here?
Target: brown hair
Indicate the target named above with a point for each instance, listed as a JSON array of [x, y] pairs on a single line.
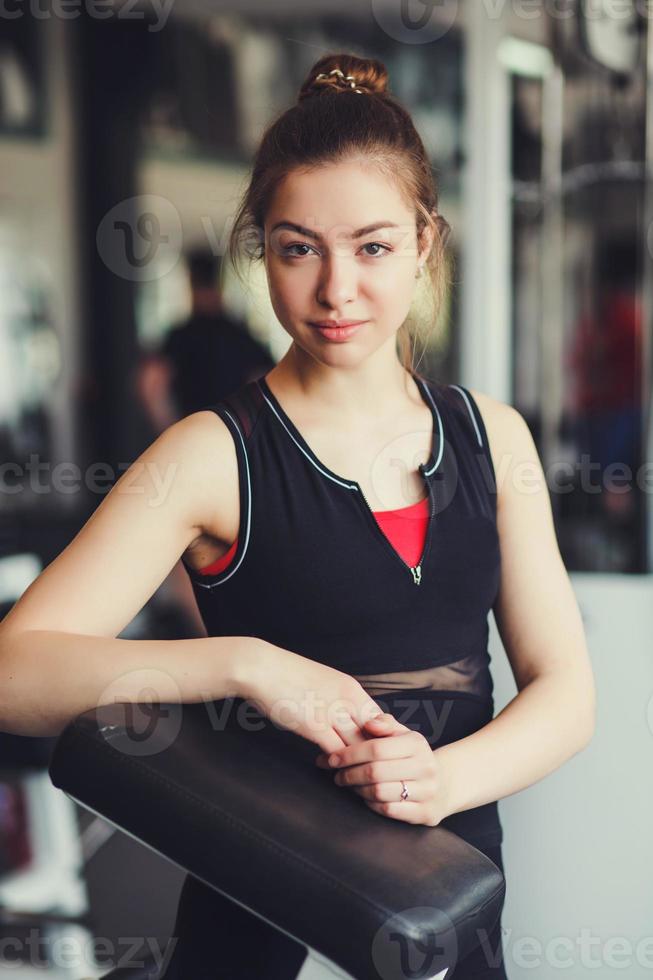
[[334, 119]]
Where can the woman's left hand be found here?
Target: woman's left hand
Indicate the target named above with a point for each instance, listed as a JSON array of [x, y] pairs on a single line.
[[375, 767]]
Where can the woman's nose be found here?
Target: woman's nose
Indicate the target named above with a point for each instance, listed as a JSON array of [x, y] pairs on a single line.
[[338, 281]]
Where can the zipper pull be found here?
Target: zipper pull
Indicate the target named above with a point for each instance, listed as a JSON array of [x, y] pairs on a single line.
[[417, 574]]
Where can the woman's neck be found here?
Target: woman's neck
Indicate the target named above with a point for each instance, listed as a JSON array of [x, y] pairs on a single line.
[[349, 395]]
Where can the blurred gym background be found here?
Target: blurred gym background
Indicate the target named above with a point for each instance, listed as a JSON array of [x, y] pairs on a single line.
[[126, 132]]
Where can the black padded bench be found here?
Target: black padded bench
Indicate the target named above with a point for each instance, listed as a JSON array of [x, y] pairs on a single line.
[[237, 801]]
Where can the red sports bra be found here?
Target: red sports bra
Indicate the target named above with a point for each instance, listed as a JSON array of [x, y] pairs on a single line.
[[405, 528]]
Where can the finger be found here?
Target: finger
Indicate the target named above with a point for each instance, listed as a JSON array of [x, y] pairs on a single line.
[[385, 724], [348, 720], [400, 746], [366, 711], [405, 810], [379, 771], [348, 730], [361, 752], [382, 726], [391, 791], [327, 743], [330, 742]]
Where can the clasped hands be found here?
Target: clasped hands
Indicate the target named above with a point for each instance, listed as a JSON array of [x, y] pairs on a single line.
[[375, 766]]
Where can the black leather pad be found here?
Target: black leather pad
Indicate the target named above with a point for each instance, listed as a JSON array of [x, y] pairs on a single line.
[[236, 800]]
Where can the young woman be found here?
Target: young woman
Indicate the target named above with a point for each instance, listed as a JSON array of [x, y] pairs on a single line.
[[347, 525]]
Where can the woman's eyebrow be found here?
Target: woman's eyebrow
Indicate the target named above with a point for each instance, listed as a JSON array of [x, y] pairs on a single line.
[[318, 238]]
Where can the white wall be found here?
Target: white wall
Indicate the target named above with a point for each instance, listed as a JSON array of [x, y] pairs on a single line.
[[578, 846]]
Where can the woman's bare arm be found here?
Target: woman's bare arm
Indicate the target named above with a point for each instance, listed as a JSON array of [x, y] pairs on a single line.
[[553, 716], [84, 672], [59, 648]]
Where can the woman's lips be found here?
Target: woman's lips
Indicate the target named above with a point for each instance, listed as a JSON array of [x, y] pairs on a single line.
[[339, 333], [335, 323]]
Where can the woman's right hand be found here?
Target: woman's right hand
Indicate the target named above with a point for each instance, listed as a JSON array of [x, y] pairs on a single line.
[[320, 703]]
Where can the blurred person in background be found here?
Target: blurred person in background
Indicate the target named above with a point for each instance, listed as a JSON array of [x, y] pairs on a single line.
[[605, 362], [202, 359], [199, 361]]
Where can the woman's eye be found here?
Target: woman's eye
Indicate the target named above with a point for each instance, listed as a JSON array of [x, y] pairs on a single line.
[[288, 249], [377, 245]]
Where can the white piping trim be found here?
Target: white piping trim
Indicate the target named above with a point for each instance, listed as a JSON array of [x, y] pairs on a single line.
[[341, 483], [440, 429], [212, 585], [469, 409]]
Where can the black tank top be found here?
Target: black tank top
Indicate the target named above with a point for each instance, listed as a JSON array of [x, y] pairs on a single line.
[[314, 573]]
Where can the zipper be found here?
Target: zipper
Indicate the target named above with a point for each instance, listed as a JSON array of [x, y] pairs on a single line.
[[415, 570], [295, 434]]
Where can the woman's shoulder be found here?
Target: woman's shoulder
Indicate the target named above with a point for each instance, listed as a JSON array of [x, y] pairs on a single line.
[[206, 451], [508, 435], [501, 419], [502, 422], [495, 413]]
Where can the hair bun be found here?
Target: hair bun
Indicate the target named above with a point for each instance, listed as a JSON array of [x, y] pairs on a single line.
[[345, 73]]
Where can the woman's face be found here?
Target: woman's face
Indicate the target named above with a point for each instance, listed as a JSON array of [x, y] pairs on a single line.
[[324, 269]]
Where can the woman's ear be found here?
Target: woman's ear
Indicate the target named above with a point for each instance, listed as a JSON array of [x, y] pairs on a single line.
[[443, 226], [425, 243]]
